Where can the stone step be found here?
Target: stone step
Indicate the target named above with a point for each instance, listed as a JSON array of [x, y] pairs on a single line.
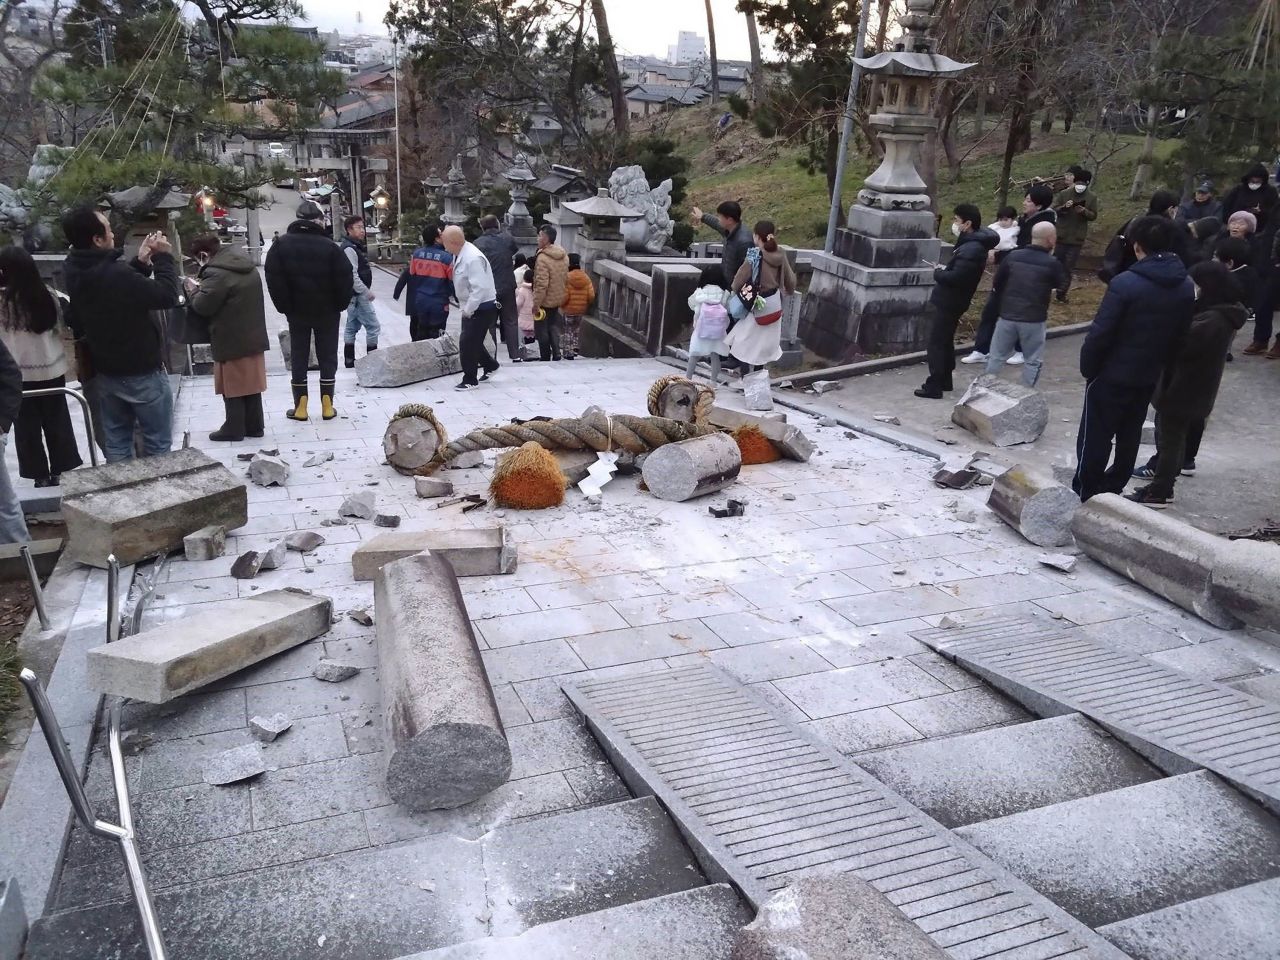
[[996, 773], [694, 925], [1240, 924], [1133, 851], [390, 901]]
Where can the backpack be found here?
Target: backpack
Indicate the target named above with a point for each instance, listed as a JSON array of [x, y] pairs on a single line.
[[713, 321], [1118, 256]]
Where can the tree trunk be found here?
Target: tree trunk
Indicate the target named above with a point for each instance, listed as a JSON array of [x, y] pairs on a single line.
[[612, 76], [980, 112], [757, 68], [1142, 176], [832, 155], [715, 61], [882, 29]]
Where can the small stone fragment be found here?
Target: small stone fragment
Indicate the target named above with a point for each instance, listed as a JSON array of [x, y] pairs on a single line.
[[965, 514], [245, 457], [467, 460], [826, 386], [361, 616], [268, 471], [1059, 561], [304, 541], [334, 671], [247, 565], [208, 543], [317, 459], [828, 422], [887, 418], [232, 766], [386, 520], [362, 506], [788, 496], [273, 556], [431, 487], [267, 729], [273, 452]]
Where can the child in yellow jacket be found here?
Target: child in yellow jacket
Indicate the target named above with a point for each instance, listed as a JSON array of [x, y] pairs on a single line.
[[580, 293]]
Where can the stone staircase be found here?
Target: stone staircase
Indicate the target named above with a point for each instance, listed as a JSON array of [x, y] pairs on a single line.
[[620, 871]]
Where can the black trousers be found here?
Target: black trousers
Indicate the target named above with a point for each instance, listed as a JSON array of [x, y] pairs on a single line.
[[41, 421], [1171, 451], [1067, 254], [548, 332], [474, 353], [509, 320], [428, 324], [941, 348], [325, 330], [1112, 415], [1195, 433]]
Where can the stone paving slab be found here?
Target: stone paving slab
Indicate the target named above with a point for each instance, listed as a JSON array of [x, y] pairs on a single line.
[[763, 803]]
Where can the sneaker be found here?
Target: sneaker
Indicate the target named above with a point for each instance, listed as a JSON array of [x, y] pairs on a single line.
[[1144, 496], [571, 356], [1256, 349], [1189, 468], [1016, 360], [517, 359], [976, 357], [466, 386], [1144, 473], [491, 375]]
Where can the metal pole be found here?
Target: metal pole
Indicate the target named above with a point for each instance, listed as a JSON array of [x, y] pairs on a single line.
[[113, 599], [395, 53], [850, 107], [36, 593], [84, 407]]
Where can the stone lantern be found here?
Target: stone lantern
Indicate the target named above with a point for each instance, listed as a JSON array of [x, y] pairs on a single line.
[[453, 195], [601, 237], [518, 219], [870, 295], [565, 185]]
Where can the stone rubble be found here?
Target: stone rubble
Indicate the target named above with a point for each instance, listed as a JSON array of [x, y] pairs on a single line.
[[1001, 412], [304, 541], [267, 729], [429, 488], [268, 471], [318, 459], [209, 543], [334, 671], [361, 506], [234, 765]]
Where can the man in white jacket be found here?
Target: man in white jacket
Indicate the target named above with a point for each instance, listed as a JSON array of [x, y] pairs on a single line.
[[478, 300]]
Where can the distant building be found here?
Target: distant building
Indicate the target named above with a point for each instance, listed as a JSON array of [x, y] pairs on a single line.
[[646, 99], [688, 47]]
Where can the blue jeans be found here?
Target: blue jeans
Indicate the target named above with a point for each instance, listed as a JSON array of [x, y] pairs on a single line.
[[1011, 335], [145, 400], [361, 314], [13, 525]]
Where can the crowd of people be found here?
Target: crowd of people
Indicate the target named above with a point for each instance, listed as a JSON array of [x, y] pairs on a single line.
[[1182, 280]]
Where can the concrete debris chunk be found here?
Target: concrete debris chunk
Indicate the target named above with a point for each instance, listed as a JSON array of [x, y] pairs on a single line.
[[304, 541], [235, 765], [273, 556], [361, 616], [268, 471], [429, 488], [334, 671], [828, 422], [444, 742], [317, 459], [826, 386], [1058, 561], [208, 543], [789, 440], [362, 505], [1001, 412], [247, 565], [692, 468], [574, 464], [955, 476], [1035, 505], [387, 520], [887, 418], [734, 508], [484, 552], [403, 363], [756, 393], [143, 508], [174, 658], [267, 729], [467, 460]]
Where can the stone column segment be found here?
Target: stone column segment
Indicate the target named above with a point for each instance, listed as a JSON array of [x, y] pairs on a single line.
[[691, 468], [1035, 505], [471, 553]]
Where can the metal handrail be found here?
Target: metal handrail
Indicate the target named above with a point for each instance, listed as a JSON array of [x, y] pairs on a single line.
[[123, 832], [84, 406], [37, 592]]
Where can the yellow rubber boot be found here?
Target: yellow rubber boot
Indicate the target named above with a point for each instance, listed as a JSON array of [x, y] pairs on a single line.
[[299, 410], [326, 400]]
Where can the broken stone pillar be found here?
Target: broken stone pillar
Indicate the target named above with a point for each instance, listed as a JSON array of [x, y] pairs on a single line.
[[143, 508], [410, 443], [832, 917], [1246, 580], [444, 742], [181, 655], [208, 543], [692, 468], [286, 345], [789, 440], [678, 400], [1167, 556], [403, 363], [1002, 412], [471, 553], [1035, 505]]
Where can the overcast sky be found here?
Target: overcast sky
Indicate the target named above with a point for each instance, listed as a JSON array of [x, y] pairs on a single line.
[[639, 26]]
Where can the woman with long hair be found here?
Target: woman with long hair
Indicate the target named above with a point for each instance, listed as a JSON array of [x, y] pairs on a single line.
[[30, 329], [756, 340], [228, 296]]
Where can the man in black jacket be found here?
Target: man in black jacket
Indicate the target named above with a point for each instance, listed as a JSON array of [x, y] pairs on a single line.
[[1022, 287], [500, 249], [360, 311], [311, 283], [1138, 328], [111, 311], [13, 525], [1037, 207], [737, 236], [953, 289]]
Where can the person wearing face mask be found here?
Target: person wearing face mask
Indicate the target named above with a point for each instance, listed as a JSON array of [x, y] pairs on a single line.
[[1254, 194], [227, 295], [953, 289], [1077, 207]]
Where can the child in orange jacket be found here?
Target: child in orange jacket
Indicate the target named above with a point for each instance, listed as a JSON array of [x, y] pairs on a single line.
[[580, 293]]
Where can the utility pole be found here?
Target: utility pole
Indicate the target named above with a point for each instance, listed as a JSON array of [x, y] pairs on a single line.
[[395, 54], [846, 133]]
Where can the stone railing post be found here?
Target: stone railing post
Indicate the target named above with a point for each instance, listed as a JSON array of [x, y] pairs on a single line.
[[669, 313]]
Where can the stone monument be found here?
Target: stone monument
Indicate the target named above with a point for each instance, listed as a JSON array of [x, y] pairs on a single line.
[[630, 187], [565, 185], [518, 219], [869, 295], [453, 195]]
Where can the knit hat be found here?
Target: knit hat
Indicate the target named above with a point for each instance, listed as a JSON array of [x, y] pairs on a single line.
[[1245, 217], [309, 210]]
